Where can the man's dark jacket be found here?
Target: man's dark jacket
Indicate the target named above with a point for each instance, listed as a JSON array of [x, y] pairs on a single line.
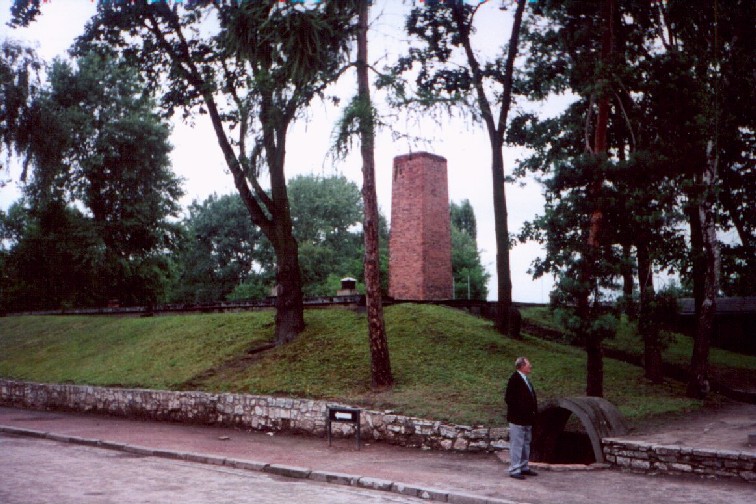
[[522, 404]]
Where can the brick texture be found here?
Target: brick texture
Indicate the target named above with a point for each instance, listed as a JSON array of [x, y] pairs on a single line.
[[420, 240]]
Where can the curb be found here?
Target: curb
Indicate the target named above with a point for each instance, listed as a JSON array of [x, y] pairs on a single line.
[[431, 494]]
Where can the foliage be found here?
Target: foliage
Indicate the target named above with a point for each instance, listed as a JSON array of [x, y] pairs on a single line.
[[225, 256], [663, 68], [19, 82], [219, 252], [253, 73], [463, 218], [54, 261], [326, 214], [470, 277], [93, 141]]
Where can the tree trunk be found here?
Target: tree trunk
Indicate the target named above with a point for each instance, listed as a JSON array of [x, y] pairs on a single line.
[[380, 363], [496, 129], [595, 365], [289, 301], [647, 323], [698, 260], [698, 386], [277, 228], [501, 221], [627, 282]]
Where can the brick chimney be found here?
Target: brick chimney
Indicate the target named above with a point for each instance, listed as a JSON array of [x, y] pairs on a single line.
[[420, 241]]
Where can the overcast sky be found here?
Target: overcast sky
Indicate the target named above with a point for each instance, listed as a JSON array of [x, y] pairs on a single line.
[[197, 158]]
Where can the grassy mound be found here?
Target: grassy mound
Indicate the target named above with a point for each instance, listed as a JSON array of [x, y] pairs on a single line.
[[448, 365]]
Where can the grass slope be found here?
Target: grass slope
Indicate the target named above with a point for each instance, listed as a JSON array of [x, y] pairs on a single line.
[[447, 365]]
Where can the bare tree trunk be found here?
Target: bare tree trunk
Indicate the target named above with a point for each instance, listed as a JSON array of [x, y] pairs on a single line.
[[648, 326], [380, 364], [501, 223], [698, 386], [289, 301]]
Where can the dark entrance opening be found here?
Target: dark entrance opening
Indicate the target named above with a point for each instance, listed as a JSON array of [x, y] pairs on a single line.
[[569, 430]]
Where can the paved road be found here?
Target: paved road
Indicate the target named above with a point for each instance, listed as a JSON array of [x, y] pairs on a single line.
[[479, 475], [38, 471]]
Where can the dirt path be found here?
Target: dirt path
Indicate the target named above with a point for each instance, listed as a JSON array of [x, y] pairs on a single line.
[[724, 427]]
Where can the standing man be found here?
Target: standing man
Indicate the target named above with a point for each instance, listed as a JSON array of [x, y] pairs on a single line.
[[522, 407]]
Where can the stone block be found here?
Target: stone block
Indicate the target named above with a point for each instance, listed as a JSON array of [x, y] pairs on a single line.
[[462, 498], [479, 433], [288, 471], [748, 475], [111, 445], [405, 489], [623, 461], [247, 465], [138, 450], [477, 446], [60, 437], [434, 494], [448, 431], [335, 478], [728, 454], [375, 483], [170, 454], [640, 464], [698, 452]]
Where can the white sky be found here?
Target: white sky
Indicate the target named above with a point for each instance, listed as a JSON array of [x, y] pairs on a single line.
[[197, 158]]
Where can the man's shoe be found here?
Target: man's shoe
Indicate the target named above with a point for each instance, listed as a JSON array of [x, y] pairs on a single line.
[[517, 476], [529, 472]]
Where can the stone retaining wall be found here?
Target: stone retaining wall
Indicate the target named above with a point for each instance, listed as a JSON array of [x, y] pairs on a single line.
[[653, 458], [262, 413]]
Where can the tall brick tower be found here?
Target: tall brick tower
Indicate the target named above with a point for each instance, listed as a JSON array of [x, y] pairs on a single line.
[[420, 241]]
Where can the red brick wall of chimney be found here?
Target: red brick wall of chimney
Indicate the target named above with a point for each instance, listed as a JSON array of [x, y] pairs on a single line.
[[420, 239]]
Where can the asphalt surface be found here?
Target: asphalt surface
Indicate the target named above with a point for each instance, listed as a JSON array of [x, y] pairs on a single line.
[[376, 471], [48, 472]]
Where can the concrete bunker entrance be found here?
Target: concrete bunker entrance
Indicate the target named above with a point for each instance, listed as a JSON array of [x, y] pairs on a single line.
[[569, 430]]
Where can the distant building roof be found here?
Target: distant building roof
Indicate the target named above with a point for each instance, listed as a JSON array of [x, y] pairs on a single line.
[[725, 306]]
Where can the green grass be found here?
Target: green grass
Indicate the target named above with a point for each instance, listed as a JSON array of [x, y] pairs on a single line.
[[448, 365], [156, 352], [730, 367]]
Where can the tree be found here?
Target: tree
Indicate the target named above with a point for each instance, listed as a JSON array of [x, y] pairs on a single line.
[[226, 257], [220, 252], [54, 260], [253, 78], [326, 212], [664, 111], [470, 277], [708, 44], [19, 81], [585, 57], [442, 80], [360, 119], [463, 218], [92, 138]]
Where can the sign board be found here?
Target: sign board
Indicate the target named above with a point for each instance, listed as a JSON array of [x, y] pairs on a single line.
[[343, 414]]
